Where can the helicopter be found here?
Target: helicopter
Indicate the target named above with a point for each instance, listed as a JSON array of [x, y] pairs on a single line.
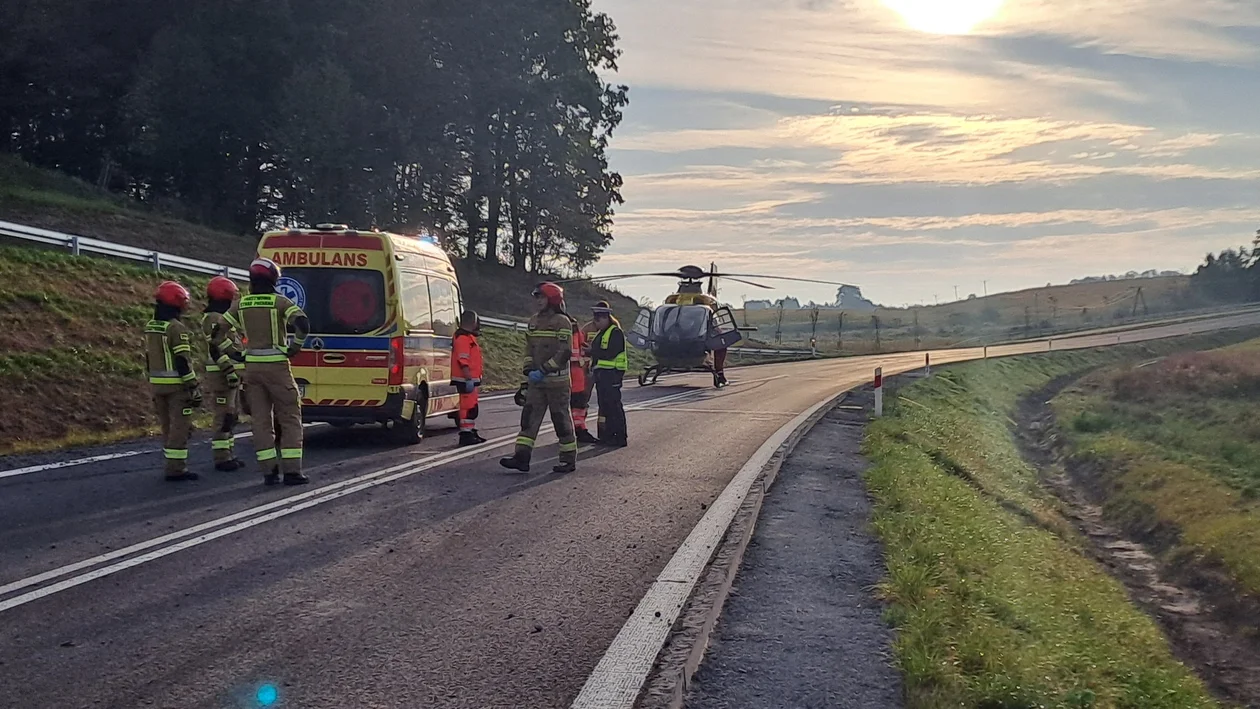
[[691, 331]]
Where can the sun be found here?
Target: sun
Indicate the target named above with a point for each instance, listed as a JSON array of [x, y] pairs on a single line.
[[945, 16]]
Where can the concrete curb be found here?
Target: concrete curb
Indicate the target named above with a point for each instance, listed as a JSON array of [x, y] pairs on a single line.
[[684, 651]]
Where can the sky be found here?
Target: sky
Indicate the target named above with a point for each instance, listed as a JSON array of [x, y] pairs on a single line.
[[913, 146]]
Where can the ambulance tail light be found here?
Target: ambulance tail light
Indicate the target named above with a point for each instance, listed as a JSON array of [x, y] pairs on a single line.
[[397, 358]]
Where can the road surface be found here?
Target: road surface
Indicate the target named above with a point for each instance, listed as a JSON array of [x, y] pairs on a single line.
[[402, 577]]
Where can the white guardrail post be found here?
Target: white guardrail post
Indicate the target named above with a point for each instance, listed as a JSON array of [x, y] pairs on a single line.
[[879, 392]]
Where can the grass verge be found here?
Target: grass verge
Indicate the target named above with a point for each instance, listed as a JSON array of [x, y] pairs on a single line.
[[994, 603], [1175, 448]]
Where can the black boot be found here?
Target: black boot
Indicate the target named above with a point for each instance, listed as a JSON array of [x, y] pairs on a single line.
[[584, 436], [295, 479], [272, 478], [477, 435], [564, 467], [228, 466], [469, 438], [515, 463]]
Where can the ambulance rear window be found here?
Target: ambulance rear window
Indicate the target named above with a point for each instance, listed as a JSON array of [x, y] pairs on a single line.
[[342, 301]]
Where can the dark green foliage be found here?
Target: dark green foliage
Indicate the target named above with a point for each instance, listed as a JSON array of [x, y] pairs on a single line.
[[484, 121]]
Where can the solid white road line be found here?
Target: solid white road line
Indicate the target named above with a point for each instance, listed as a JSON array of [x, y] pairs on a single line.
[[70, 463], [254, 516], [620, 674]]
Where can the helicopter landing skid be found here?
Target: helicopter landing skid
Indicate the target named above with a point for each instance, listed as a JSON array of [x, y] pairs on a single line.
[[649, 376]]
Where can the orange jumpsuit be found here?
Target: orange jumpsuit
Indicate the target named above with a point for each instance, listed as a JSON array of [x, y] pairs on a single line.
[[466, 353], [579, 399]]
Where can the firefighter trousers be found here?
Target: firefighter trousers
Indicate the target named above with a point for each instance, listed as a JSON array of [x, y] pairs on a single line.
[[224, 404], [174, 413], [468, 410], [539, 399], [274, 403], [611, 425]]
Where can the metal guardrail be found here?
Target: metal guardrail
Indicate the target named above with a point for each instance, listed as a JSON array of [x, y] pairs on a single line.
[[87, 245], [159, 260]]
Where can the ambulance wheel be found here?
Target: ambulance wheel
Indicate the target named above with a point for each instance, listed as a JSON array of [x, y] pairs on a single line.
[[411, 433]]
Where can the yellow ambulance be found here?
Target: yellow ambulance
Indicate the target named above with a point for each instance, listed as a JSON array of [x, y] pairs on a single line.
[[383, 310]]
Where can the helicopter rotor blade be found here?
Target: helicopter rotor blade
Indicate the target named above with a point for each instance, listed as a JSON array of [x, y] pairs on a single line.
[[781, 278], [600, 279], [740, 280]]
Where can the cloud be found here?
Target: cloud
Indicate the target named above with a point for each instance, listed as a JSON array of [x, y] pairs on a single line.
[[823, 137]]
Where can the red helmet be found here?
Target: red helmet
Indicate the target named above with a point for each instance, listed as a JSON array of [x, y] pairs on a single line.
[[265, 268], [221, 288], [173, 294], [552, 292]]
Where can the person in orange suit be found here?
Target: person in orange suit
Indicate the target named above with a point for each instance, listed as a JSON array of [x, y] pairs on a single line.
[[466, 373]]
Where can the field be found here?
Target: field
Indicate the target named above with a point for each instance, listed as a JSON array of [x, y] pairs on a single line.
[[49, 200], [71, 368], [1005, 316], [994, 597], [1175, 449]]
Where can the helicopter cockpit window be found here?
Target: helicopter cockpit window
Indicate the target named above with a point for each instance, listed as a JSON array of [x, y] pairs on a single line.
[[689, 321]]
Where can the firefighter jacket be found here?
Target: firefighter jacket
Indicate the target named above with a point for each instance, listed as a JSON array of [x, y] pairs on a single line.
[[168, 355], [264, 321], [609, 349], [225, 350], [466, 352], [548, 345]]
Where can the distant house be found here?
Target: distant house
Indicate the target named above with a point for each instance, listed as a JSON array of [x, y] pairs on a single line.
[[788, 303], [758, 305]]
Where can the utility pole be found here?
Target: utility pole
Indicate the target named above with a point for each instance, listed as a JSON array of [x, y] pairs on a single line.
[[778, 328], [955, 292], [840, 332], [986, 289], [936, 298], [745, 299], [917, 340], [875, 322], [813, 322]]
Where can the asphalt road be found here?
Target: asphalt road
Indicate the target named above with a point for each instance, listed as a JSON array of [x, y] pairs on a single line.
[[401, 578]]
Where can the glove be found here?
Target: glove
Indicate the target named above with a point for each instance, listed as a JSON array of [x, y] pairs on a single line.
[[194, 396], [536, 376], [233, 379], [292, 350]]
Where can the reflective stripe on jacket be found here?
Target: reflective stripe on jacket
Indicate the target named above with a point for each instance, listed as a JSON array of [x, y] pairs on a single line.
[[263, 320]]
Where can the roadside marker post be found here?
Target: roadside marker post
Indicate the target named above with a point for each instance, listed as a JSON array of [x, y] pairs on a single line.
[[927, 364], [879, 392]]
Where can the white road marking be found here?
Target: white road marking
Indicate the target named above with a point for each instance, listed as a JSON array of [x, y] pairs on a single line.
[[617, 679], [69, 463], [246, 519]]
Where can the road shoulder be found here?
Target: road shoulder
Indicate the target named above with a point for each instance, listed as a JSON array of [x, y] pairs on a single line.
[[801, 626]]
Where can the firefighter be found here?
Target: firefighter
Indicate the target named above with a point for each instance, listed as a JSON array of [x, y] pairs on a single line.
[[608, 351], [548, 347], [719, 366], [466, 365], [168, 357], [223, 370], [263, 317], [580, 398]]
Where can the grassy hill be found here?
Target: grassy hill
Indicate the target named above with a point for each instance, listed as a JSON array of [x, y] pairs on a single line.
[[986, 319], [41, 198]]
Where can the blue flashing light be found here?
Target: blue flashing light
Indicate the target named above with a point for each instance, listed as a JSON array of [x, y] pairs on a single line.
[[428, 237], [267, 695]]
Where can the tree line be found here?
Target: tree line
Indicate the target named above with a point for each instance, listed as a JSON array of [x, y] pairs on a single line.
[[1231, 276], [485, 121]]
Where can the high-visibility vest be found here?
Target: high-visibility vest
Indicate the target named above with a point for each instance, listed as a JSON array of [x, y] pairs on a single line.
[[620, 362]]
